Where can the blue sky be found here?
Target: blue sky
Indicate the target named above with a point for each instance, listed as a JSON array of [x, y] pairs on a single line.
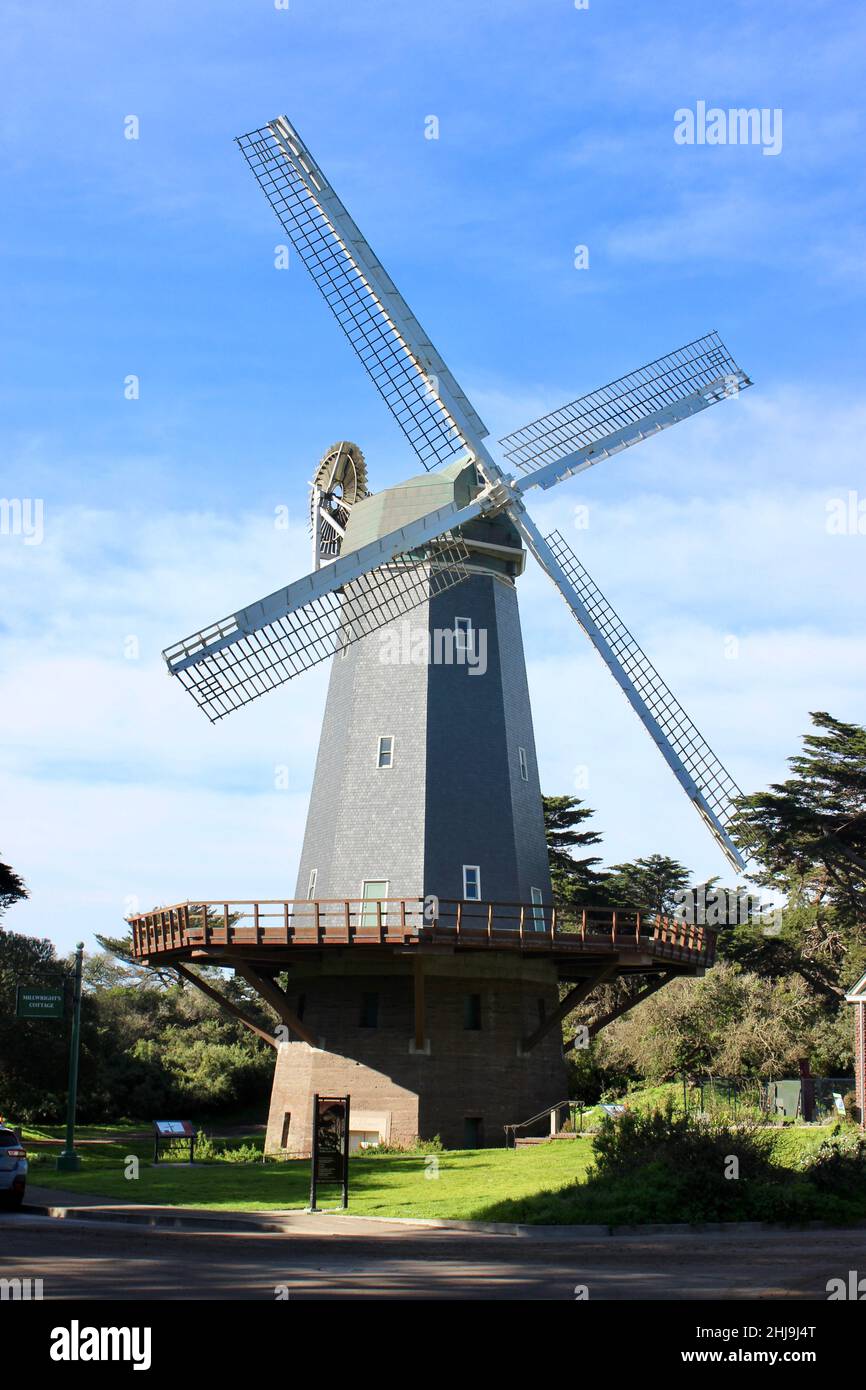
[[155, 257]]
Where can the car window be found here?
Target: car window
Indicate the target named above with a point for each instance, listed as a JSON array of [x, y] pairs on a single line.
[[8, 1139]]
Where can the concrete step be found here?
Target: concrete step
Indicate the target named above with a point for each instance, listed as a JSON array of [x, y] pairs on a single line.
[[543, 1139]]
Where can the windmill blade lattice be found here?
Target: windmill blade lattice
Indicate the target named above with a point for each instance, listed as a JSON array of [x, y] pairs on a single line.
[[240, 666], [693, 762], [625, 410], [414, 381]]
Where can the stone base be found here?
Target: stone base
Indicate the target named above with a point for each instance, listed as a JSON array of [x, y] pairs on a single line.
[[464, 1084]]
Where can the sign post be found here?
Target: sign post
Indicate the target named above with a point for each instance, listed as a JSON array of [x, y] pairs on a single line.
[[68, 1160], [330, 1146], [167, 1131]]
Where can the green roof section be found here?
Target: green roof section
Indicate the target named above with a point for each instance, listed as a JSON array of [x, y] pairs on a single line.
[[387, 511]]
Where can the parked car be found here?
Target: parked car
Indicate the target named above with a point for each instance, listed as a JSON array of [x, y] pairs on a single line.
[[13, 1168]]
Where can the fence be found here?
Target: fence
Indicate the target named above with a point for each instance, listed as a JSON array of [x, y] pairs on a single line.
[[740, 1097]]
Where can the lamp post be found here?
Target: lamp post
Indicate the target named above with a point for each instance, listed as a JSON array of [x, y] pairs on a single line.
[[68, 1160]]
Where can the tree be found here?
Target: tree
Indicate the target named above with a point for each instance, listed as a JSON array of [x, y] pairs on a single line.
[[120, 948], [575, 881], [33, 1052], [651, 885], [730, 1023], [12, 889], [808, 834]]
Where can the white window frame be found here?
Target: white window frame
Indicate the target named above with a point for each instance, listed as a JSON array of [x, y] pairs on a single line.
[[311, 885], [524, 764], [537, 898], [467, 633], [476, 869], [385, 767]]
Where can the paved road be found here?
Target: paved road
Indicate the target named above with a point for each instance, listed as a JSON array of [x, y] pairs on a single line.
[[102, 1261]]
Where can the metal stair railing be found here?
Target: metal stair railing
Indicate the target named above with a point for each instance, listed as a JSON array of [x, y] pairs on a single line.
[[511, 1130]]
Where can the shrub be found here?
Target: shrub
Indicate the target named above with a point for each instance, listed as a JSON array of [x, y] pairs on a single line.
[[677, 1167], [418, 1146], [241, 1153], [208, 1150], [839, 1166]]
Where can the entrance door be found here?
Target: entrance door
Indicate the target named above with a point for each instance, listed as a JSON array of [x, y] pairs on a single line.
[[372, 889]]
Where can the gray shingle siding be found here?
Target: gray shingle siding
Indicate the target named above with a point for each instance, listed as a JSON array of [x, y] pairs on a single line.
[[366, 822], [454, 795]]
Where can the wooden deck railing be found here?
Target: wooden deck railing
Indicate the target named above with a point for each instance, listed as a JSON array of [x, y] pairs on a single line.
[[236, 924]]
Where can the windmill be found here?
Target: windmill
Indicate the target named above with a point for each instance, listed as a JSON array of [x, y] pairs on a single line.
[[426, 782]]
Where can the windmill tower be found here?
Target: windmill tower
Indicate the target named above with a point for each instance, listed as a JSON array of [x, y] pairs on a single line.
[[425, 834]]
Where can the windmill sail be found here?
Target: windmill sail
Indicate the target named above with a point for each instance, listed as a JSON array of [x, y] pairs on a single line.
[[625, 411], [234, 661], [362, 590], [254, 651], [414, 381], [700, 773]]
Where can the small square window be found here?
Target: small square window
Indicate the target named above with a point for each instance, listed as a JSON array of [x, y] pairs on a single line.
[[369, 1011], [311, 886], [471, 883], [385, 755], [472, 1012], [524, 766]]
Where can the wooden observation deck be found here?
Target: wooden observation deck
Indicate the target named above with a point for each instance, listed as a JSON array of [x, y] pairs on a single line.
[[272, 930]]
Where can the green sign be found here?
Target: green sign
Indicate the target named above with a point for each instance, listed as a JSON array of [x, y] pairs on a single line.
[[31, 1002]]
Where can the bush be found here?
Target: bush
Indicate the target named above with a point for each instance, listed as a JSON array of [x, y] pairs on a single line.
[[418, 1146], [694, 1169], [839, 1166], [208, 1150], [667, 1167], [241, 1153]]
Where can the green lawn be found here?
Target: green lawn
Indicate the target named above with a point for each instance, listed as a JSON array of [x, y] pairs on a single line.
[[458, 1185], [478, 1184]]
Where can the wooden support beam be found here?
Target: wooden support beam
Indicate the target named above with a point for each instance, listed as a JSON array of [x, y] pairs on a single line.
[[420, 1021], [623, 1008], [228, 1004], [572, 999], [273, 995]]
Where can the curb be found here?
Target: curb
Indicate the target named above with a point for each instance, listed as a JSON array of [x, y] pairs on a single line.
[[590, 1232], [154, 1220], [162, 1220]]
